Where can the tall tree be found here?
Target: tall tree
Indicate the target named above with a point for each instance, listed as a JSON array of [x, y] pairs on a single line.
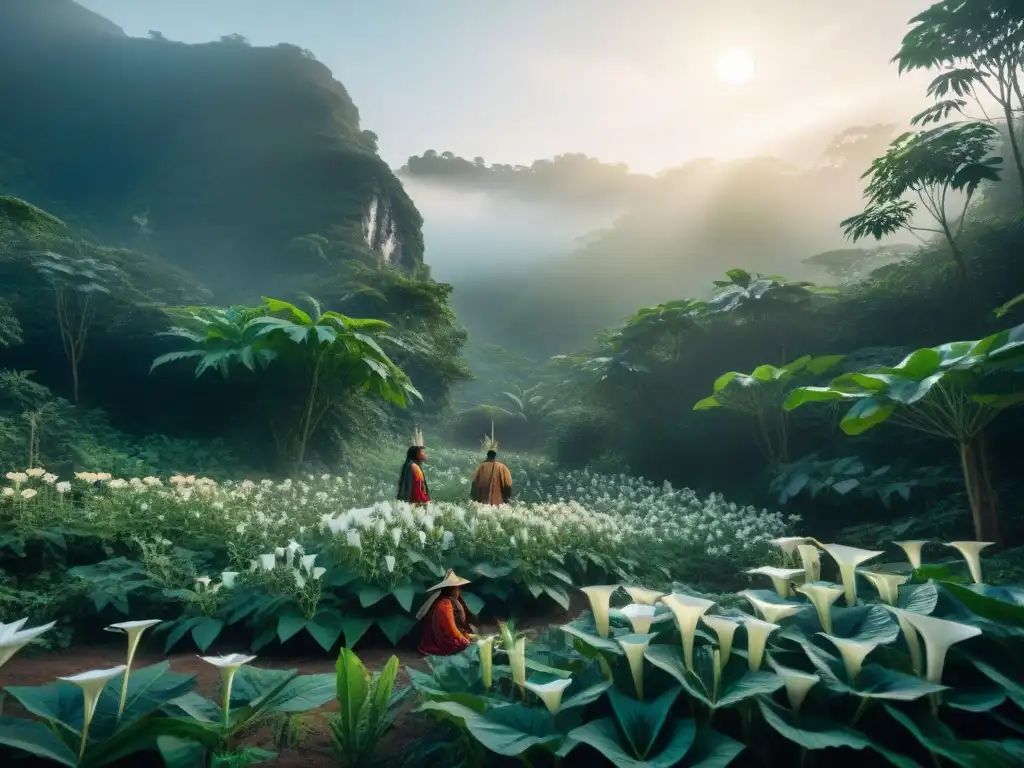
[[927, 165], [977, 46]]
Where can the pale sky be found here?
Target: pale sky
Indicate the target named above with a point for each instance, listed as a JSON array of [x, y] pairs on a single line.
[[623, 80]]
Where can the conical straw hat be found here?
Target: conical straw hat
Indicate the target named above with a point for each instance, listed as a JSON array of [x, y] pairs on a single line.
[[450, 580]]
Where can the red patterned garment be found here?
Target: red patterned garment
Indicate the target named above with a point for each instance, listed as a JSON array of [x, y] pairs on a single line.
[[441, 635]]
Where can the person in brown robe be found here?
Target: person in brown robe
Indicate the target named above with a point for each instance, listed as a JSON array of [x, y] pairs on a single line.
[[492, 482]]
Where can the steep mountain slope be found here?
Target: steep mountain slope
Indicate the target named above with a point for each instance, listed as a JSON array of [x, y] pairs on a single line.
[[215, 156]]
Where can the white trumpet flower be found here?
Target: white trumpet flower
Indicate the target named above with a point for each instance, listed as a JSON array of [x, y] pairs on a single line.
[[798, 684], [228, 579], [971, 551], [13, 638], [853, 652], [485, 647], [228, 666], [268, 562], [133, 630], [848, 558], [640, 617], [822, 596], [634, 646], [600, 602], [938, 636], [913, 549], [887, 584], [92, 684], [912, 638], [550, 693], [773, 613], [781, 577], [810, 559], [725, 628], [757, 640], [642, 596], [687, 611]]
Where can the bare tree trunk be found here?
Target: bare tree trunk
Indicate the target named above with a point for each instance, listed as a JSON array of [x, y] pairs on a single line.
[[980, 494]]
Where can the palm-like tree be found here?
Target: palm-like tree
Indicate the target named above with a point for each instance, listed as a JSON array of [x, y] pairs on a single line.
[[326, 354]]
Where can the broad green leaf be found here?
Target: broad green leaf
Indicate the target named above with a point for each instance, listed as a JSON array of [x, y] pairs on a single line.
[[149, 689], [585, 630], [558, 594], [814, 732], [289, 625], [803, 395], [512, 729], [56, 702], [352, 689], [712, 750], [999, 604], [474, 602], [36, 739], [325, 629], [1014, 686], [980, 700], [252, 685], [206, 631], [640, 722], [179, 752], [603, 736], [941, 740], [396, 626], [865, 414], [179, 630], [706, 404], [404, 594], [370, 594], [354, 627]]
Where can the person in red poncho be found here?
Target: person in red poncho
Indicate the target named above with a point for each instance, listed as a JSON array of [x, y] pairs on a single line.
[[412, 483], [446, 629]]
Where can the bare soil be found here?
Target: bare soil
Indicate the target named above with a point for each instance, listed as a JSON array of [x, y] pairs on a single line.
[[314, 747]]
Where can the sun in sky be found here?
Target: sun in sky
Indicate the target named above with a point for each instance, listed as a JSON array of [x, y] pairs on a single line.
[[735, 66]]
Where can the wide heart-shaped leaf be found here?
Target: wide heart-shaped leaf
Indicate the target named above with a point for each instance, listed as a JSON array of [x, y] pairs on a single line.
[[939, 739], [513, 729], [354, 627], [640, 722], [35, 739], [149, 689], [396, 626], [604, 736], [813, 732]]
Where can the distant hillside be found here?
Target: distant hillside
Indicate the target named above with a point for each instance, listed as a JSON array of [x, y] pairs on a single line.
[[214, 156]]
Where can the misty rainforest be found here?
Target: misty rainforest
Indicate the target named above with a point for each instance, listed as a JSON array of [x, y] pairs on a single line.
[[694, 442]]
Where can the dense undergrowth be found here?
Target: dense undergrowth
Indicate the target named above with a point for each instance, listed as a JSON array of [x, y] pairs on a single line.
[[248, 556]]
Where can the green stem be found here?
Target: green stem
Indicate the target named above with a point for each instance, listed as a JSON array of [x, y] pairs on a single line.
[[864, 703]]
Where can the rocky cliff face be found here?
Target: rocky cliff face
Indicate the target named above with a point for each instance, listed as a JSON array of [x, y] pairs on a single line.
[[211, 156]]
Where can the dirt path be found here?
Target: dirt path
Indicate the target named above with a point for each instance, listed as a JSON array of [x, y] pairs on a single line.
[[314, 746]]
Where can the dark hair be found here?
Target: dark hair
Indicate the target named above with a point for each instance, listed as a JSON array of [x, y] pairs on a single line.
[[413, 452], [491, 454]]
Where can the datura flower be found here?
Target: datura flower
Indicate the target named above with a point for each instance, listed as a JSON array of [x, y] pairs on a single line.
[[92, 685], [306, 563], [822, 596], [912, 638], [517, 662], [134, 630], [798, 684], [228, 666], [227, 579], [788, 544], [643, 596], [687, 611], [757, 640], [13, 638], [938, 636], [887, 584], [913, 549], [485, 647], [770, 612], [267, 562], [640, 617], [971, 550], [781, 577], [725, 628], [853, 652], [550, 693], [600, 601], [848, 558], [634, 646], [810, 559]]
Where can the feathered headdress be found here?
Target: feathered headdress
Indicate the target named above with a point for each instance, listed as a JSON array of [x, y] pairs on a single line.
[[417, 438], [489, 443]]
